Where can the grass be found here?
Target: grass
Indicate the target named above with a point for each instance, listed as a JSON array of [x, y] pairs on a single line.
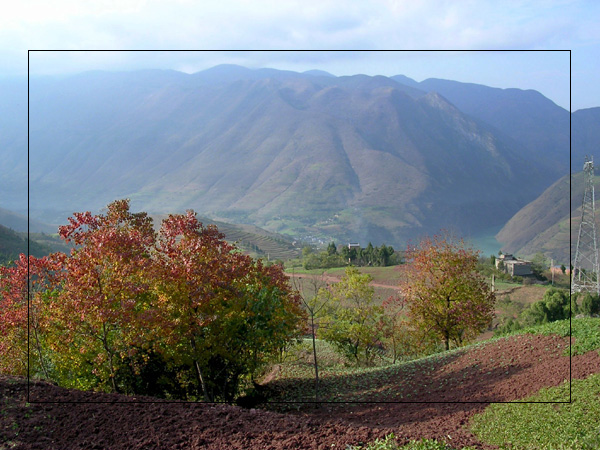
[[346, 383], [586, 332], [389, 443], [545, 426]]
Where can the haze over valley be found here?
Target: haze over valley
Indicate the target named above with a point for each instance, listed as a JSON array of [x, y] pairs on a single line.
[[308, 155]]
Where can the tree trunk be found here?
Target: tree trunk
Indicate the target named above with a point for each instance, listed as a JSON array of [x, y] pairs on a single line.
[[312, 321], [110, 357], [39, 351], [447, 331], [199, 377]]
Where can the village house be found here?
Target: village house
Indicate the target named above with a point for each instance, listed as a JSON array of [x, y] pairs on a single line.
[[513, 266]]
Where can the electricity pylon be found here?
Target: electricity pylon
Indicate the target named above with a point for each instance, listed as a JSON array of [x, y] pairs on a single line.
[[585, 265]]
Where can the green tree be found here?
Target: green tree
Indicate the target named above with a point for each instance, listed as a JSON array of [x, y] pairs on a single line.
[[352, 323], [539, 264], [445, 294], [555, 305], [331, 249], [590, 304]]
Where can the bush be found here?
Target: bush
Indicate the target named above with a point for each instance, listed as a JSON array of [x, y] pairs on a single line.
[[590, 305], [554, 306]]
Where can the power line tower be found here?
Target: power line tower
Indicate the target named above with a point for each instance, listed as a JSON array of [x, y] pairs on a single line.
[[585, 265]]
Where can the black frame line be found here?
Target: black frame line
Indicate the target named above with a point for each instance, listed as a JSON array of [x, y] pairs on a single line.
[[290, 402]]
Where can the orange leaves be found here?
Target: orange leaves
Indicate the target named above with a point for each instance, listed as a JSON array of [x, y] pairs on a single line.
[[444, 292], [183, 292]]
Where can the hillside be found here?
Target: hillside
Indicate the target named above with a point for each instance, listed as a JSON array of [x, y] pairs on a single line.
[[18, 222], [526, 116], [256, 241], [433, 395], [13, 243], [308, 155], [550, 223], [586, 134]]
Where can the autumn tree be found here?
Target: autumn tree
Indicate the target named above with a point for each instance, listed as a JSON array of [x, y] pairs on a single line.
[[102, 298], [26, 291], [129, 303], [444, 293], [223, 313]]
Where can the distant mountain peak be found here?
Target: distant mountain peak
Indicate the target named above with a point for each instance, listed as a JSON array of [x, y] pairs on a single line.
[[318, 73]]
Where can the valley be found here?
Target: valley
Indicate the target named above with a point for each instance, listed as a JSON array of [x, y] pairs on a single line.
[[352, 175], [313, 157]]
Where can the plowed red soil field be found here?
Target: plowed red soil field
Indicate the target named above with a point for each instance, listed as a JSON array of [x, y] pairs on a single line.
[[505, 370]]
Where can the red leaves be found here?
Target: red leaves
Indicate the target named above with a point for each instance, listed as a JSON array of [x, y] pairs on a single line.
[[42, 274], [184, 291]]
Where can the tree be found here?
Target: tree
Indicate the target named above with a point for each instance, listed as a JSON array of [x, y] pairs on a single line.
[[315, 299], [38, 277], [444, 293], [554, 306], [395, 329], [103, 302], [590, 305], [223, 313], [539, 264], [128, 302], [331, 249], [352, 323]]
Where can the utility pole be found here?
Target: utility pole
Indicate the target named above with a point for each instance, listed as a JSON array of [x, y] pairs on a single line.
[[585, 265]]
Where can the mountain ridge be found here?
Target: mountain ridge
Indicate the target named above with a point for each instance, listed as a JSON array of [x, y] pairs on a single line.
[[356, 158]]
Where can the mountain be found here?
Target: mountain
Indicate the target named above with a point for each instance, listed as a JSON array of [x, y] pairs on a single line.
[[538, 125], [309, 155], [586, 134], [18, 222], [550, 223]]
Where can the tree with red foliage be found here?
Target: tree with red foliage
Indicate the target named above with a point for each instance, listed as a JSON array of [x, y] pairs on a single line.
[[104, 291], [221, 311], [22, 316], [127, 298], [444, 293]]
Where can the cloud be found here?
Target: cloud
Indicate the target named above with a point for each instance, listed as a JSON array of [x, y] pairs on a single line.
[[277, 25]]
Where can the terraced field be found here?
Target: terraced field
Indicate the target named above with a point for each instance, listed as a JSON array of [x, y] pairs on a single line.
[[251, 239]]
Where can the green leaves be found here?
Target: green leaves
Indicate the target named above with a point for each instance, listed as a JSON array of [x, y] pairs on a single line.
[[352, 322], [545, 426]]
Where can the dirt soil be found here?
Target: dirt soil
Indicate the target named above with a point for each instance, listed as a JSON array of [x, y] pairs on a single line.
[[506, 370]]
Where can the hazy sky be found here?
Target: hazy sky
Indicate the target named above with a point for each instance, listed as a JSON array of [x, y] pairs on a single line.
[[307, 24]]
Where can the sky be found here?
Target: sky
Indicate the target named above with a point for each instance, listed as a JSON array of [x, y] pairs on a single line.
[[357, 30]]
